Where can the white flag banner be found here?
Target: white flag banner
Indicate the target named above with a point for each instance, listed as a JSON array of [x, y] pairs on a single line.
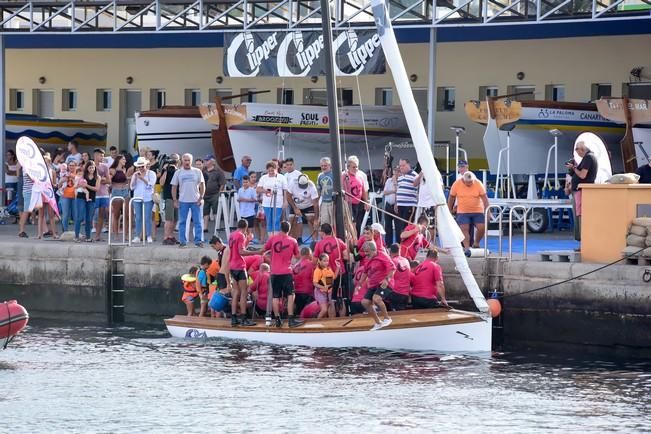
[[449, 232]]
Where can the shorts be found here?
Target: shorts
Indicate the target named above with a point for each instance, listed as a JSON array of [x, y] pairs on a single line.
[[322, 297], [356, 307], [282, 284], [304, 213], [302, 300], [221, 281], [398, 301], [250, 220], [171, 212], [27, 199], [378, 290], [424, 303], [239, 275], [471, 218], [210, 204], [120, 192], [189, 298], [327, 213], [101, 202]]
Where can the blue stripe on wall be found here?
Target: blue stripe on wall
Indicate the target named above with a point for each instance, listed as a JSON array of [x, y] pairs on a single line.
[[415, 35]]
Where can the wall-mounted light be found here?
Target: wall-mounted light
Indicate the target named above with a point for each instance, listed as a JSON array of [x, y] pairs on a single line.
[[520, 75], [413, 78], [42, 80], [129, 79], [314, 79], [219, 79]]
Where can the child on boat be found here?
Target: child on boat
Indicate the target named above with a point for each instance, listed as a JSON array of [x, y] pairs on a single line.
[[190, 293], [203, 286], [323, 279]]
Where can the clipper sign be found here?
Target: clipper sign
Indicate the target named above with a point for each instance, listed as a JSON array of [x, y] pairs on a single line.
[[300, 54]]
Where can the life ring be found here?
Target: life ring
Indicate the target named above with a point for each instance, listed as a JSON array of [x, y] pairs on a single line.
[[13, 319]]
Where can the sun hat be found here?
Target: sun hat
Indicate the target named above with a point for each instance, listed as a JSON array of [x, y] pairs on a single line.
[[140, 162], [378, 227]]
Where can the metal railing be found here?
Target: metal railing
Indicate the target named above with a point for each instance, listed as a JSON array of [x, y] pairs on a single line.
[[143, 239], [110, 221], [525, 211], [487, 220]]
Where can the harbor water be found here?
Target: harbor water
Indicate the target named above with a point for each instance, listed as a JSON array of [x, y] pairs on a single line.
[[92, 379]]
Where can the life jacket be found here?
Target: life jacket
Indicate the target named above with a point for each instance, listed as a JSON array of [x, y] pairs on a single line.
[[190, 289]]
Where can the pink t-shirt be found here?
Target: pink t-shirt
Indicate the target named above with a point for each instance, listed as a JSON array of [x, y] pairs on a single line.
[[261, 284], [334, 247], [253, 262], [377, 269], [303, 271], [354, 185], [283, 249], [409, 246], [103, 171], [362, 290], [403, 277], [426, 277], [379, 243], [237, 242]]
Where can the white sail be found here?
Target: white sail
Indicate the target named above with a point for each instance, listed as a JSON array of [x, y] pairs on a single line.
[[449, 232]]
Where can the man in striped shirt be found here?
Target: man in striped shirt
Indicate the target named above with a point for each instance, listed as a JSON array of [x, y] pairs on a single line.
[[406, 194]]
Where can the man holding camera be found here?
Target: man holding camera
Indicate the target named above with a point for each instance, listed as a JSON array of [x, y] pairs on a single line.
[[583, 173]]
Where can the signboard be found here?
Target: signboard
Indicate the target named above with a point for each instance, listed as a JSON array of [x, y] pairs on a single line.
[[300, 54]]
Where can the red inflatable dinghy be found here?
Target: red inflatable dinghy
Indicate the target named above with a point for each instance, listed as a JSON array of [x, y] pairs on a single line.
[[13, 319]]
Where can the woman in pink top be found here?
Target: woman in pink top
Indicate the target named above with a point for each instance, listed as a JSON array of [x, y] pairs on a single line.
[[355, 185]]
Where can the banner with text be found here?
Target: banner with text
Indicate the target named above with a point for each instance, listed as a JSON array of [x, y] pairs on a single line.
[[300, 54]]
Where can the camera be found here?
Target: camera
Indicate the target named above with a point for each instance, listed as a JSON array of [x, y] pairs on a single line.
[[171, 161], [571, 161]]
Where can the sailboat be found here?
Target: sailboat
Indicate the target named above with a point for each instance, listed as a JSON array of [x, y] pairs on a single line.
[[438, 330]]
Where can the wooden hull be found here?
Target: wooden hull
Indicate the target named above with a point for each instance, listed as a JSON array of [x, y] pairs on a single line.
[[52, 133], [425, 330]]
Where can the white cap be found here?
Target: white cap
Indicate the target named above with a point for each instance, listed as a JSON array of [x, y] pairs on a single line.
[[378, 227]]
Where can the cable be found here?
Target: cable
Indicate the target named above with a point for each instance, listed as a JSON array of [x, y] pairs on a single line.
[[572, 278]]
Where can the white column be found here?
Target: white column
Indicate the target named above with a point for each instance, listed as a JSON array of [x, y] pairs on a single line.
[[431, 88]]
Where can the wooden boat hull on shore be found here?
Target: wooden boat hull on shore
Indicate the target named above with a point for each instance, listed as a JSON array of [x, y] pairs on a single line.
[[51, 133], [437, 330]]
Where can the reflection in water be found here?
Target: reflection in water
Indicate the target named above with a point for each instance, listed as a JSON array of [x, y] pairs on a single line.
[[89, 379]]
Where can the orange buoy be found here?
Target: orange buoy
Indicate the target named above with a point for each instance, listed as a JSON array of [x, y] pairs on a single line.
[[13, 319], [494, 306]]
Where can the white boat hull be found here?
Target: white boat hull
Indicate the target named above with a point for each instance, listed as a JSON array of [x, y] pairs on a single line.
[[469, 337], [642, 135], [175, 135]]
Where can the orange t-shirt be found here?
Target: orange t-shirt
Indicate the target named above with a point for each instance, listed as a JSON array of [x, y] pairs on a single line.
[[468, 197], [213, 269], [323, 276]]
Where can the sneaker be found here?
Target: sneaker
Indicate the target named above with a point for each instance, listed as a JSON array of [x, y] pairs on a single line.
[[245, 322], [199, 245], [293, 322], [92, 231], [167, 242], [23, 235], [376, 326], [105, 230], [467, 253], [234, 321], [386, 322], [149, 240], [182, 245], [136, 240], [279, 323]]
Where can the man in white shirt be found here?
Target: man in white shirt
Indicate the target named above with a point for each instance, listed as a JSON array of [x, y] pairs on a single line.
[[272, 186], [73, 153], [188, 188], [304, 205]]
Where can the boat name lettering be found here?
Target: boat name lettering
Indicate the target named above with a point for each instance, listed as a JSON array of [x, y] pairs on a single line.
[[546, 113], [272, 119], [256, 55], [309, 119], [591, 117]]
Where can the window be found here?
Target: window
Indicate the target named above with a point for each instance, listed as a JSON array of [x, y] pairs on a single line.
[[555, 92], [222, 93], [69, 100], [445, 99], [192, 97], [345, 96], [247, 96], [485, 91], [383, 96], [157, 99], [522, 92], [16, 100], [637, 90], [103, 100], [600, 90], [285, 96], [320, 96]]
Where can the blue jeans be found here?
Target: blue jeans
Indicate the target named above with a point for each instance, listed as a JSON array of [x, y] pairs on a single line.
[[137, 207], [67, 211], [84, 211], [272, 216], [195, 209]]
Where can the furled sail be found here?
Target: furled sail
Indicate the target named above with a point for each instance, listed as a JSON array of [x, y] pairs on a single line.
[[448, 230]]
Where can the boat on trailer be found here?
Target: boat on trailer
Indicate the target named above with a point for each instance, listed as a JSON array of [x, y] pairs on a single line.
[[436, 330]]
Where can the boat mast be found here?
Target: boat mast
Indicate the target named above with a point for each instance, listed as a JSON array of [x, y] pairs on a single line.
[[333, 115]]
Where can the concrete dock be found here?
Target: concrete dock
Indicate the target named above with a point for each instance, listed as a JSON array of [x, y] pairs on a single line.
[[608, 310]]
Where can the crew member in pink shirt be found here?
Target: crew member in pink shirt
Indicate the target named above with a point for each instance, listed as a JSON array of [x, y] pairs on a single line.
[[260, 288], [413, 238], [303, 271], [379, 269], [403, 279], [283, 249], [237, 245], [356, 302], [428, 290]]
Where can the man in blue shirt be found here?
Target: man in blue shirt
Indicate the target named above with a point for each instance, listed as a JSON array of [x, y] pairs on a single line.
[[241, 171], [324, 184]]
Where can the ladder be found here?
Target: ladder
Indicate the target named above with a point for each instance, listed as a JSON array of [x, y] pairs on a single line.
[[116, 295], [494, 285]]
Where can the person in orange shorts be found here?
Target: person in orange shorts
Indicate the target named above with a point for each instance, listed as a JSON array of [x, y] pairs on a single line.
[[190, 293]]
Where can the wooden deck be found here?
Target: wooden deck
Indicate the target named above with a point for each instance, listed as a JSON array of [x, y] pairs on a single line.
[[401, 320]]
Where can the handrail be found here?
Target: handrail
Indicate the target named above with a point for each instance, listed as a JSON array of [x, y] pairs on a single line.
[[499, 165], [144, 222], [110, 220], [554, 148], [524, 223], [499, 227]]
